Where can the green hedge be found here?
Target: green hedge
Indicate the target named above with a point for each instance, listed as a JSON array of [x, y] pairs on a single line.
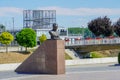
[[119, 58]]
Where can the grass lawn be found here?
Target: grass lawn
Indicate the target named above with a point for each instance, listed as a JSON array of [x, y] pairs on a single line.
[[67, 57], [12, 57], [17, 57]]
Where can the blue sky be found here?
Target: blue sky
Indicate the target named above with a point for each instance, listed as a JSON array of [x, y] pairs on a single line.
[[70, 13]]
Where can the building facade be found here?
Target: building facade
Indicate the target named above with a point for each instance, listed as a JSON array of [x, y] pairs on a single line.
[[39, 19]]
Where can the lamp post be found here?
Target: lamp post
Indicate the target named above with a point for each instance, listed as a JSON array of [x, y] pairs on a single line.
[[83, 34]]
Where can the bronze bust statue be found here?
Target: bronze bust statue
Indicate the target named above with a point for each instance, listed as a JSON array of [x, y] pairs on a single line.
[[54, 33]]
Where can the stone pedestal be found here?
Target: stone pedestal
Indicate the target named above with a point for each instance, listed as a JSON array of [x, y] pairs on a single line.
[[48, 59]]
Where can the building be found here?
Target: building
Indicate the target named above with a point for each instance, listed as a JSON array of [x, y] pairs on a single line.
[[63, 32], [41, 21]]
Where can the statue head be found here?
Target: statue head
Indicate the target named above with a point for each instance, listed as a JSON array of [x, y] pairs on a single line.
[[54, 33], [55, 26]]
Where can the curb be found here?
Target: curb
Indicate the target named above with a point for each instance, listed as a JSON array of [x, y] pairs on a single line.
[[92, 61], [13, 66]]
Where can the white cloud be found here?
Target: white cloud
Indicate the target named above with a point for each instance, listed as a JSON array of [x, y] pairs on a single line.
[[5, 11], [83, 11]]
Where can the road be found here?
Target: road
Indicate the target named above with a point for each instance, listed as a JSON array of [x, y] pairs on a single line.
[[79, 72]]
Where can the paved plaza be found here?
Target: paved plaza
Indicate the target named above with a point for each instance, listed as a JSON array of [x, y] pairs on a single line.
[[78, 72]]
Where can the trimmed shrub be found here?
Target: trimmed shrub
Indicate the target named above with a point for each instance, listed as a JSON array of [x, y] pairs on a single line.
[[27, 38], [6, 38], [42, 38], [119, 58]]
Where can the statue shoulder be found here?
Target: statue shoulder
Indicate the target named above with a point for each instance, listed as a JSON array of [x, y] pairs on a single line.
[[50, 31]]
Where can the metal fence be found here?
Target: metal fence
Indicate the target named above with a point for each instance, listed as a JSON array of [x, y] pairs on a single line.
[[71, 41]]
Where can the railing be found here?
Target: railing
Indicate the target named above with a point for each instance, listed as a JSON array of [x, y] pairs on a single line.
[[71, 42]]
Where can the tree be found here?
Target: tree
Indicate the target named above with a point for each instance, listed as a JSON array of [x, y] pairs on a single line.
[[87, 33], [6, 38], [101, 26], [42, 38], [117, 27], [27, 38], [2, 28], [75, 30]]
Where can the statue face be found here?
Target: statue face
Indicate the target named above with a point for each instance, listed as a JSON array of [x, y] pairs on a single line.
[[55, 28]]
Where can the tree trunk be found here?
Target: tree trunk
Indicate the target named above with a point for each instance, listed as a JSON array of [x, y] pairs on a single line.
[[25, 49], [6, 48]]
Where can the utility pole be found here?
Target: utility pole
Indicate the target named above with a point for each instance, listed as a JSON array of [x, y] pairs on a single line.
[[13, 24], [13, 29]]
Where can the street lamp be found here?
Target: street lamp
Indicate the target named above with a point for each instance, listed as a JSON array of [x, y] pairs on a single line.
[[83, 34]]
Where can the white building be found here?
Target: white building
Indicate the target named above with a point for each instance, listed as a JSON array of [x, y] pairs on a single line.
[[63, 32]]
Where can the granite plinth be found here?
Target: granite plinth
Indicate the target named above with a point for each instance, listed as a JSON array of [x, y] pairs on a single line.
[[48, 58]]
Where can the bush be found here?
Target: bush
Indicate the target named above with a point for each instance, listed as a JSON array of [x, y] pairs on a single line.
[[6, 38], [119, 58], [27, 38], [42, 38], [96, 55]]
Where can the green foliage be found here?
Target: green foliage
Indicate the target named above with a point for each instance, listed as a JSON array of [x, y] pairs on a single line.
[[87, 33], [101, 26], [26, 37], [117, 27], [42, 38], [119, 58], [6, 38], [84, 31], [2, 28], [67, 57], [96, 55], [75, 30]]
